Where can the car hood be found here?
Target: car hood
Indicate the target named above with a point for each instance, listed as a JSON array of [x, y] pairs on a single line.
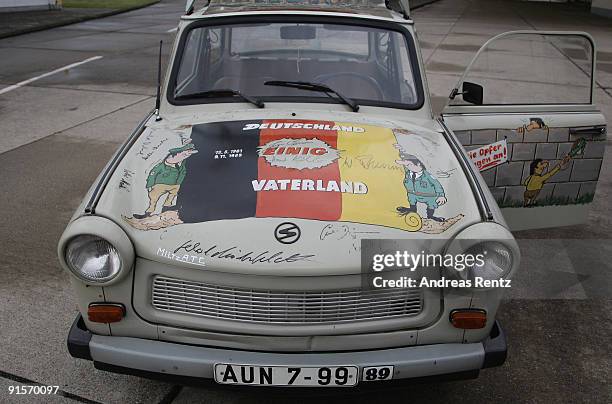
[[284, 196]]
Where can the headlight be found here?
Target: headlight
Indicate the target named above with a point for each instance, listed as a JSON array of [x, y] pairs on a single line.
[[492, 252], [92, 258], [496, 261], [96, 250]]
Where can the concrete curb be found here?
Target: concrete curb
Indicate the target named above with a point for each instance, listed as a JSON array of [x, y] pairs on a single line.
[[56, 24]]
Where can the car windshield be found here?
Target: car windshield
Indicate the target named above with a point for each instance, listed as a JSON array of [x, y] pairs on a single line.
[[372, 66]]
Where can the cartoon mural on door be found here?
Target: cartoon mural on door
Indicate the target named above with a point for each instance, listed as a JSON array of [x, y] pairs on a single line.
[[317, 170], [547, 165], [539, 173], [534, 123]]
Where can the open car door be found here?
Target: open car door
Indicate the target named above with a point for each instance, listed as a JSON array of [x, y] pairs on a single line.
[[524, 112]]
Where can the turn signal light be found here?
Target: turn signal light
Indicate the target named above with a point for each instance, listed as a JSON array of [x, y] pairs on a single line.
[[105, 312], [468, 319]]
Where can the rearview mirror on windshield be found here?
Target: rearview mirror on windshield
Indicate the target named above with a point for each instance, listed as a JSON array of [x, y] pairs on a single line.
[[298, 32]]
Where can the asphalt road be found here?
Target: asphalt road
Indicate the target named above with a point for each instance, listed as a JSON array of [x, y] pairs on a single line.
[[59, 131]]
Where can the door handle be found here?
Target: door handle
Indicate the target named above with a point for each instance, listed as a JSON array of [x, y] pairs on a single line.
[[594, 130]]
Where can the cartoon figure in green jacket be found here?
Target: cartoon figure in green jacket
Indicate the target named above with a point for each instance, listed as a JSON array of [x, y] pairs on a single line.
[[421, 187], [165, 178]]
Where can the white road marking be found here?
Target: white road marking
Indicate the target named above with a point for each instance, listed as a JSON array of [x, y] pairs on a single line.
[[42, 76], [172, 29]]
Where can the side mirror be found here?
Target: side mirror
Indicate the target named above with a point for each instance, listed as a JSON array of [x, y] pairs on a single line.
[[472, 93]]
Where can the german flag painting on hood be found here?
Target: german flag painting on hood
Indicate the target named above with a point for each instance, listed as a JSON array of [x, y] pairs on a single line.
[[305, 169]]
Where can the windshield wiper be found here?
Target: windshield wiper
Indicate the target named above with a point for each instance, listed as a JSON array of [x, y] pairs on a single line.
[[309, 86], [222, 92]]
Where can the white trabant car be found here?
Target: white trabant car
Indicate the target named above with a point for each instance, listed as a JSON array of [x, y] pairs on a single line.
[[224, 239]]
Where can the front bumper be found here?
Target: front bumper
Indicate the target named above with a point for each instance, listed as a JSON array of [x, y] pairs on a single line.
[[190, 363]]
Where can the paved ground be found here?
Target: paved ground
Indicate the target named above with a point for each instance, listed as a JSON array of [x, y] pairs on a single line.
[[59, 131]]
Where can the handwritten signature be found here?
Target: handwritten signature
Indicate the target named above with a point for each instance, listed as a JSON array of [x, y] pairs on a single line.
[[124, 182], [237, 254], [445, 173], [341, 231], [148, 148], [368, 162]]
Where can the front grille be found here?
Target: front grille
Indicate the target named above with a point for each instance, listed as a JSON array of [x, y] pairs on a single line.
[[283, 307]]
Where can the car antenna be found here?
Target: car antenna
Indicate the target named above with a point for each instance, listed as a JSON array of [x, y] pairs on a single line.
[[158, 95]]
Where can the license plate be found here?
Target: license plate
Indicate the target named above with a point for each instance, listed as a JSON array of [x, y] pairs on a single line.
[[337, 376]]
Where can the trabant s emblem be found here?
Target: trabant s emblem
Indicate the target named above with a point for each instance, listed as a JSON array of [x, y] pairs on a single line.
[[287, 233]]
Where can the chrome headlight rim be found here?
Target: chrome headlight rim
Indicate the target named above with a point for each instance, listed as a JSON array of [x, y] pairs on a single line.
[[79, 272], [479, 234], [105, 229]]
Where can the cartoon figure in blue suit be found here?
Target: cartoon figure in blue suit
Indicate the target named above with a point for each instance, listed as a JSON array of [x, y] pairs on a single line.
[[421, 187]]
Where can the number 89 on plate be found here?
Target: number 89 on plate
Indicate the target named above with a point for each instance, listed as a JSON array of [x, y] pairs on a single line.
[[377, 373]]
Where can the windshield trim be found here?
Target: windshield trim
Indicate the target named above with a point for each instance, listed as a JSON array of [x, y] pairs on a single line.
[[292, 18]]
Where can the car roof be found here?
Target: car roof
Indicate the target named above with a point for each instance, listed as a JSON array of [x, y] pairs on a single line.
[[392, 9]]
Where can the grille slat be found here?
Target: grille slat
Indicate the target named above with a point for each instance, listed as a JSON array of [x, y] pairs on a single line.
[[365, 303], [231, 292], [338, 310], [283, 307]]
